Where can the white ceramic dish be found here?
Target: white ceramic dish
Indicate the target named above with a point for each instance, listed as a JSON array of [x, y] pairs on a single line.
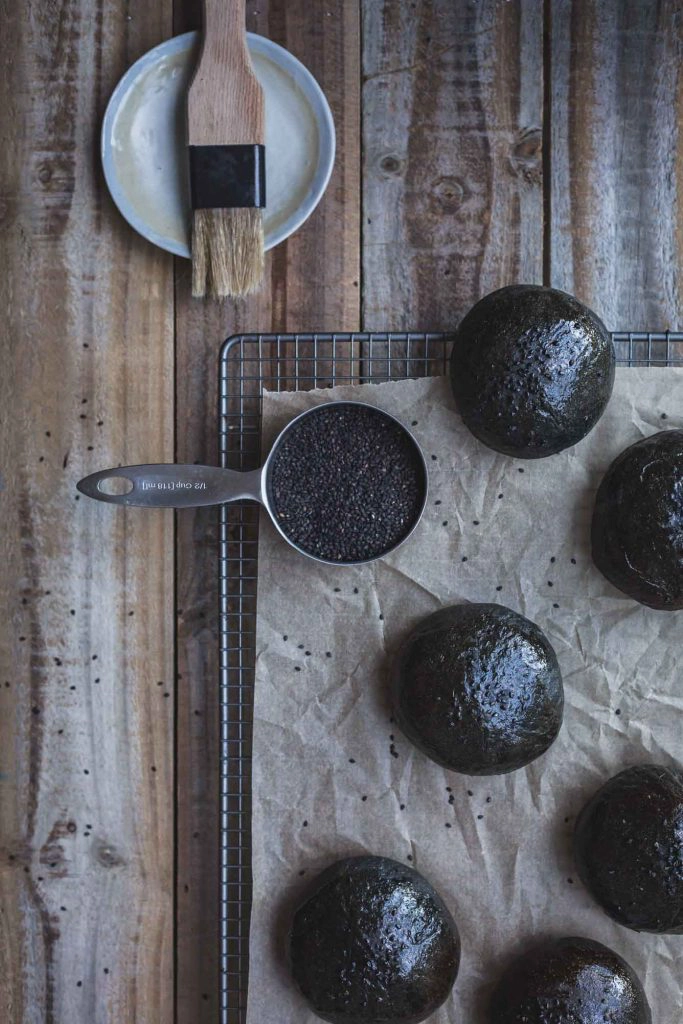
[[144, 153]]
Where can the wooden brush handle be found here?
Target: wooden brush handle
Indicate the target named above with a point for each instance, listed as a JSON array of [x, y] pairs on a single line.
[[225, 101]]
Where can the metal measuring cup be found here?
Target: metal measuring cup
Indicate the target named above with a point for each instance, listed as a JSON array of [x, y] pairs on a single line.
[[188, 486]]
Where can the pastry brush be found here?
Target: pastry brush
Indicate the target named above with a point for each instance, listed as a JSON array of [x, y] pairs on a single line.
[[226, 118]]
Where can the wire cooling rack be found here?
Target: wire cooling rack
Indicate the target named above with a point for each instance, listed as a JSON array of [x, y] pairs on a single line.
[[250, 363]]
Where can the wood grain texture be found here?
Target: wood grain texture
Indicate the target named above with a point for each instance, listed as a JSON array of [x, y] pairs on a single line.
[[452, 183], [225, 69], [312, 281], [86, 767], [616, 162]]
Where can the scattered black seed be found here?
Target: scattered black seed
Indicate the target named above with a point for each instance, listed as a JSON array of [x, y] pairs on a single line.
[[346, 483], [337, 590], [94, 657], [571, 881], [195, 835], [106, 970], [480, 817], [100, 423], [449, 789], [197, 712], [86, 772], [131, 613], [567, 820], [445, 522], [464, 558], [65, 461], [499, 587], [300, 646], [167, 695], [552, 559], [160, 682], [297, 669], [22, 639], [402, 807], [520, 470], [437, 502], [59, 732], [618, 711], [573, 561], [72, 611], [79, 983], [307, 654], [470, 793], [475, 522], [364, 798], [381, 617], [86, 345], [41, 459], [72, 687], [448, 824], [47, 433], [328, 654], [63, 909], [302, 872], [451, 799], [550, 583], [352, 760], [500, 495], [285, 637], [664, 416], [488, 799], [35, 710], [305, 824], [414, 423], [555, 604], [433, 458], [410, 857], [355, 590], [153, 768]]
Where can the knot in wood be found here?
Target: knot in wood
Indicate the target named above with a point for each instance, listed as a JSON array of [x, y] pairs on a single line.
[[526, 158], [391, 164], [448, 193]]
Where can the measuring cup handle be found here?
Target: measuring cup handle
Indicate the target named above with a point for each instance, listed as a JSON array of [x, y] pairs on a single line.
[[171, 486]]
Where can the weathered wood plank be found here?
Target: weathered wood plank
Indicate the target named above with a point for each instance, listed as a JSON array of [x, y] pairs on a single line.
[[452, 135], [312, 281], [616, 161], [86, 725]]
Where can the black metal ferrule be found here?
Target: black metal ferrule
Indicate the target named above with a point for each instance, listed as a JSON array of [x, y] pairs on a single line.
[[224, 177]]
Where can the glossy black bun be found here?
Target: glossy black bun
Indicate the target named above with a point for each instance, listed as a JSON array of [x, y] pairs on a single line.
[[637, 532], [628, 845], [373, 943], [478, 689], [532, 370], [570, 981]]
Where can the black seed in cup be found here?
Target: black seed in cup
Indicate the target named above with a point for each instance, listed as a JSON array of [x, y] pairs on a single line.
[[346, 483]]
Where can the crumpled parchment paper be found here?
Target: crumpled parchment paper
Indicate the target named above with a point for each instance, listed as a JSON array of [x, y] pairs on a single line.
[[325, 783]]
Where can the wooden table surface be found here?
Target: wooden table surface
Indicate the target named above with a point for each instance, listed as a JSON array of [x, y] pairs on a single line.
[[478, 144]]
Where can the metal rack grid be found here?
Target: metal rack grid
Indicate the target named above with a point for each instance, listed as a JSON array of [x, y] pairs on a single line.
[[249, 364]]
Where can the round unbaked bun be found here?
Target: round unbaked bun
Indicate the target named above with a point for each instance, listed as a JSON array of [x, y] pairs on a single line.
[[570, 981], [637, 532], [478, 689], [532, 370], [628, 844], [373, 943]]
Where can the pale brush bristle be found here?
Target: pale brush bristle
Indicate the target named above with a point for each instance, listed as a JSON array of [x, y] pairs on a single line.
[[227, 252]]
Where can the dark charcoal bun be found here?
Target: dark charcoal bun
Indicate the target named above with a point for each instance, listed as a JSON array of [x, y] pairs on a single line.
[[628, 845], [532, 370], [570, 981], [478, 689], [637, 532], [373, 943]]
